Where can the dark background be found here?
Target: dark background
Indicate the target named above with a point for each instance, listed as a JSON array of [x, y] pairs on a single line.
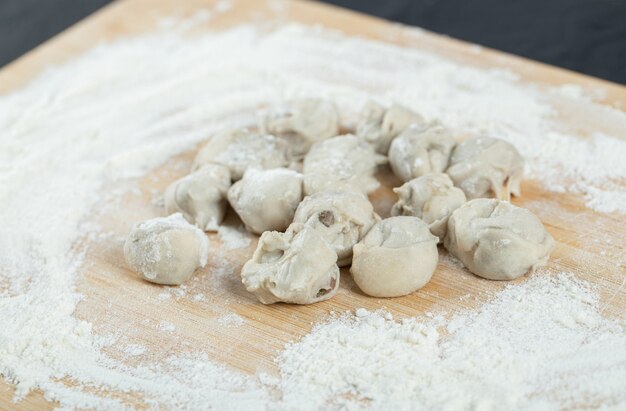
[[588, 36]]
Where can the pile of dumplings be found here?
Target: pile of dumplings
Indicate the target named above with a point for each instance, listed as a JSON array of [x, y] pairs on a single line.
[[304, 189]]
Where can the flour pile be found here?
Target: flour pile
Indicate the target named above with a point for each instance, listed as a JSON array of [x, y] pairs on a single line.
[[123, 108], [540, 345]]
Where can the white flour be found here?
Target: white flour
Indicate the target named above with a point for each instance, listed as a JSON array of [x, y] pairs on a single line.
[[123, 108], [539, 345]]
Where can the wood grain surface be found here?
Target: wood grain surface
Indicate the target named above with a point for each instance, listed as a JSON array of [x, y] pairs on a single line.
[[116, 302]]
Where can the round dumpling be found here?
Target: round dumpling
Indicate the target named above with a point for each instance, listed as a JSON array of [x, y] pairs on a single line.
[[297, 267], [166, 250], [497, 240], [378, 125], [241, 149], [302, 123], [432, 198], [486, 167], [341, 217], [266, 200], [418, 151], [345, 159], [396, 257], [200, 196]]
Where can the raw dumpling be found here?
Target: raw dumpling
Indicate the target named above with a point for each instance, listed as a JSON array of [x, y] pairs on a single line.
[[316, 183], [342, 218], [166, 250], [486, 167], [379, 126], [200, 196], [302, 123], [294, 267], [346, 159], [418, 151], [497, 240], [266, 200], [240, 150], [396, 257], [432, 198]]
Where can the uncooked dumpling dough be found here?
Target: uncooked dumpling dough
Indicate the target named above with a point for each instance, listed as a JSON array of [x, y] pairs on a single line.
[[297, 266], [200, 196], [418, 151], [497, 240], [486, 167], [397, 256], [379, 125], [302, 123], [266, 200], [241, 149], [432, 198], [166, 250], [316, 183], [342, 218], [345, 159]]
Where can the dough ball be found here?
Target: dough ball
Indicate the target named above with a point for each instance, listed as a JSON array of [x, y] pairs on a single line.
[[418, 151], [200, 196], [342, 218], [431, 197], [166, 250], [396, 257], [266, 200], [297, 266], [486, 167], [241, 149], [316, 183], [302, 123], [346, 159], [379, 126], [497, 240]]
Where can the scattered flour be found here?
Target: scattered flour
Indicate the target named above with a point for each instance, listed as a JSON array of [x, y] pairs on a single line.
[[167, 326], [135, 350], [123, 108], [231, 320], [539, 345], [233, 238]]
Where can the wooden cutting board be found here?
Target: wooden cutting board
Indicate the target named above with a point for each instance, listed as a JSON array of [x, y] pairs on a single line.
[[589, 244]]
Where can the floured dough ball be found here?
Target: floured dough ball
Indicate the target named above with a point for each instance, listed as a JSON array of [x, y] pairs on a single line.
[[302, 123], [342, 218], [486, 167], [418, 151], [379, 125], [497, 240], [266, 200], [396, 257], [241, 149], [297, 266], [346, 159], [200, 196], [166, 250], [432, 198]]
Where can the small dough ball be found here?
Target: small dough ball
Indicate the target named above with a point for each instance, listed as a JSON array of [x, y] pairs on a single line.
[[497, 240], [486, 167], [200, 196], [266, 200], [346, 159], [397, 256], [432, 198], [379, 126], [302, 123], [166, 250], [342, 218], [294, 267], [241, 149], [418, 151]]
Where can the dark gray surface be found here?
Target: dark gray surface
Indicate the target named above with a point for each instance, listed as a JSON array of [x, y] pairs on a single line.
[[588, 36]]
